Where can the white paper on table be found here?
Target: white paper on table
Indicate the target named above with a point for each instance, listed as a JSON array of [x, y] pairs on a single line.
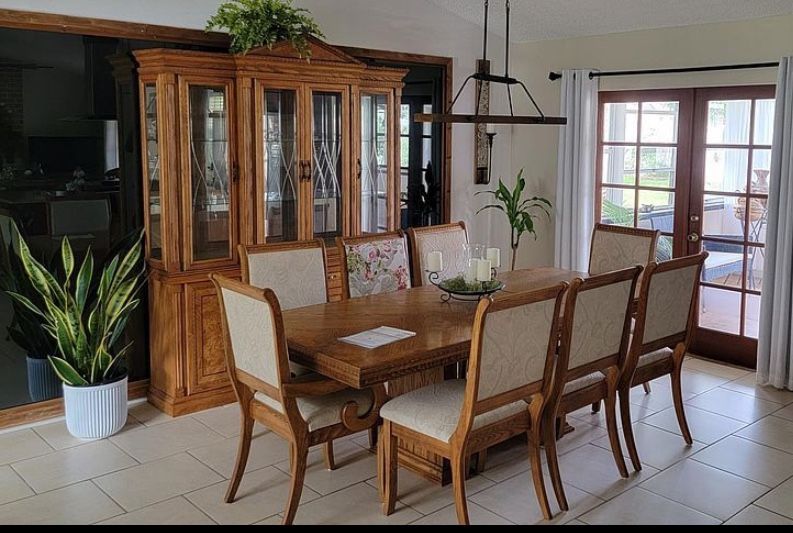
[[375, 338]]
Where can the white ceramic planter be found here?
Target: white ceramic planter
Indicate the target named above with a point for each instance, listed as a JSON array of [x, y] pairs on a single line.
[[96, 412], [43, 383]]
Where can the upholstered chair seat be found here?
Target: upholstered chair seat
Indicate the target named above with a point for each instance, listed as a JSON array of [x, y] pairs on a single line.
[[324, 411], [435, 410], [584, 382], [658, 355]]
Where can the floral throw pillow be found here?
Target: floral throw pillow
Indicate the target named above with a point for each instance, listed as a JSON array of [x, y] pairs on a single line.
[[377, 267]]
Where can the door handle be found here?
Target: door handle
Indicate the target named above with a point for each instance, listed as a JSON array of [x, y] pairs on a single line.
[[693, 237], [360, 169]]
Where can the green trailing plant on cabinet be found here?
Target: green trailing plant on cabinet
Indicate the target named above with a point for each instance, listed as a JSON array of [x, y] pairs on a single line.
[[86, 316], [521, 213], [255, 23]]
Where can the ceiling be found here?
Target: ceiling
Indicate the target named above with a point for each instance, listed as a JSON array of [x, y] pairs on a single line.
[[538, 20]]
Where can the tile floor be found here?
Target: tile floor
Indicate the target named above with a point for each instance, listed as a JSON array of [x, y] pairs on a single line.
[[160, 470]]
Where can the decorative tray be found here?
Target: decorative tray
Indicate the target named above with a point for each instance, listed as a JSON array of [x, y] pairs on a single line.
[[459, 289]]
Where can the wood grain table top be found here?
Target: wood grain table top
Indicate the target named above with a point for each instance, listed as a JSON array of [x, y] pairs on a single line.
[[443, 330]]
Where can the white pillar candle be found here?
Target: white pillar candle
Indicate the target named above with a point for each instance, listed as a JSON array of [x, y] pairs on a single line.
[[471, 271], [435, 262], [483, 270], [491, 128], [494, 256]]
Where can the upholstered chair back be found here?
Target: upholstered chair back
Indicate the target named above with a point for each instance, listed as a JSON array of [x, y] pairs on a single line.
[[295, 272], [600, 317], [671, 294], [253, 342], [450, 240], [616, 248], [375, 264], [515, 346]]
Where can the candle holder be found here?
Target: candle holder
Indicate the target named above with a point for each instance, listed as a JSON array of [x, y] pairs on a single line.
[[459, 289]]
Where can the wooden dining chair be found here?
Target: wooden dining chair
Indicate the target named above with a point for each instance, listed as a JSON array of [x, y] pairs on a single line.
[[592, 353], [296, 272], [449, 239], [306, 411], [617, 247], [374, 264], [664, 325], [509, 380]]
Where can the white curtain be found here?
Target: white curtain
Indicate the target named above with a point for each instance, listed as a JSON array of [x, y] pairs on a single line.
[[575, 189], [775, 357]]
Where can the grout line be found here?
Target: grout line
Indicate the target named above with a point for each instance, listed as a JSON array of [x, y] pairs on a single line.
[[124, 509]]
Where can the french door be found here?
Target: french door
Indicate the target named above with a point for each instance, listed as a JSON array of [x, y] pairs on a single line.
[[695, 164]]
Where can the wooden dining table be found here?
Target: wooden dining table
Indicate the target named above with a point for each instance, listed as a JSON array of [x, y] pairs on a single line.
[[442, 339]]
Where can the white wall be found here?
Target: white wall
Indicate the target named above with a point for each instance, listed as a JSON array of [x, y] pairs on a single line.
[[418, 27], [535, 148]]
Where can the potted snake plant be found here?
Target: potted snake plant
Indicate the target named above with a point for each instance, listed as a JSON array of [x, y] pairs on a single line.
[[25, 328], [87, 316]]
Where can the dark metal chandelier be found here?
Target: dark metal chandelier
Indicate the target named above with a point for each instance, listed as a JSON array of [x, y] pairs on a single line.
[[483, 76]]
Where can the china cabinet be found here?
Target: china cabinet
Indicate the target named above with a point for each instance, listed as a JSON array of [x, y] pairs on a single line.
[[266, 147]]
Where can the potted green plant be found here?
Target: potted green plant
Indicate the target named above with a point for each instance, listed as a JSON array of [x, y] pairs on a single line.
[[255, 23], [520, 213], [25, 328], [87, 318]]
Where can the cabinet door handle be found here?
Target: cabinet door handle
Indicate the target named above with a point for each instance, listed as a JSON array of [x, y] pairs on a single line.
[[360, 169], [305, 170], [235, 173]]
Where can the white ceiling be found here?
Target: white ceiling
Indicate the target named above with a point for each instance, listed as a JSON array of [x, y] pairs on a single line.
[[538, 20]]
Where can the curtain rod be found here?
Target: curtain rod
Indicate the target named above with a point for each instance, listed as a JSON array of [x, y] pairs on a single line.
[[554, 76]]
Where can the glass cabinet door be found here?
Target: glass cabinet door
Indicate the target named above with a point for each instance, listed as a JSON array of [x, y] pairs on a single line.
[[209, 154], [327, 164], [374, 163], [281, 185], [152, 168]]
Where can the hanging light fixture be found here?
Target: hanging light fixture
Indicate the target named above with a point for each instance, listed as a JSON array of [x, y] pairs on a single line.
[[484, 76]]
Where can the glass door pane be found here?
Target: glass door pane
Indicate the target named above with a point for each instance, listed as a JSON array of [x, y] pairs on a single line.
[[153, 171], [374, 163], [209, 172], [280, 165], [327, 164]]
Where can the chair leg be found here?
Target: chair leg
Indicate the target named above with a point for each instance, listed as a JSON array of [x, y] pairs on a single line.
[[390, 466], [299, 456], [478, 461], [549, 441], [330, 461], [535, 460], [677, 396], [373, 437], [614, 438], [246, 435], [596, 408], [647, 388], [459, 463], [627, 427]]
